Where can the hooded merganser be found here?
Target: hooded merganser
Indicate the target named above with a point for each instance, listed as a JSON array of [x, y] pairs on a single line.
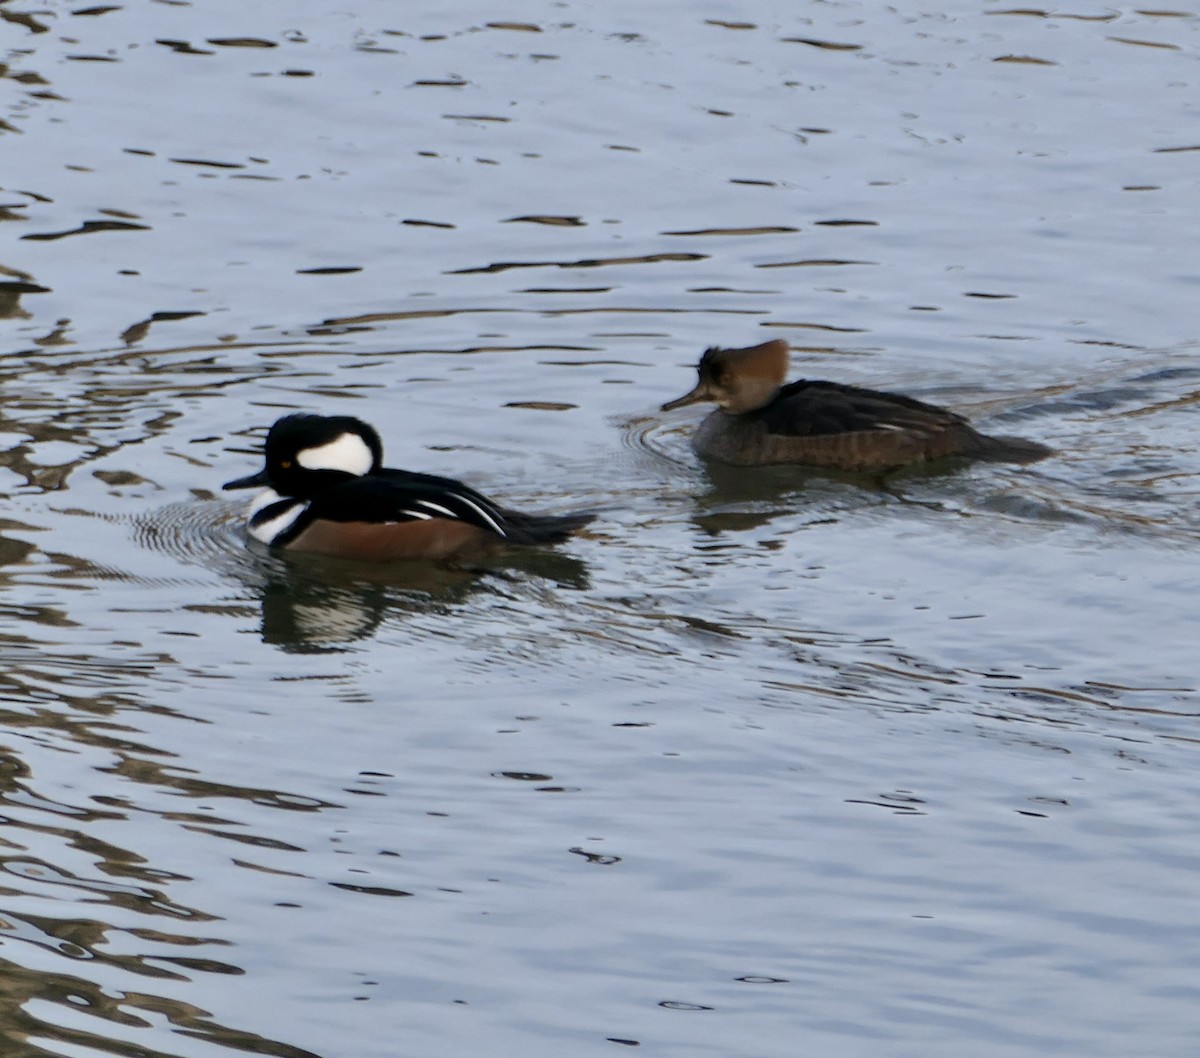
[[825, 424], [328, 492]]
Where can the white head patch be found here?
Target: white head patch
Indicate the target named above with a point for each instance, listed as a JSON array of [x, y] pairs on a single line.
[[347, 452]]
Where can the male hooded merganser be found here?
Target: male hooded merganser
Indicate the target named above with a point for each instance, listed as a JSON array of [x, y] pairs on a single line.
[[328, 492], [825, 424]]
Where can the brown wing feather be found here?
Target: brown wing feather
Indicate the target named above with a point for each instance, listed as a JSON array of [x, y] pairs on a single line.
[[808, 409]]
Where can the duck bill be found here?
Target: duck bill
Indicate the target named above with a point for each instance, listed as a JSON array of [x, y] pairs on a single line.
[[700, 393], [251, 482]]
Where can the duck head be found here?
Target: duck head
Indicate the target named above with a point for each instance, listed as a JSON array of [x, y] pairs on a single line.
[[308, 453], [738, 380]]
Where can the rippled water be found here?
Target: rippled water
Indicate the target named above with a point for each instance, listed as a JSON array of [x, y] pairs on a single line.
[[763, 763]]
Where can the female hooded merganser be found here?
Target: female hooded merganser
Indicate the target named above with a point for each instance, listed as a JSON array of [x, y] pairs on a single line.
[[825, 424], [328, 492]]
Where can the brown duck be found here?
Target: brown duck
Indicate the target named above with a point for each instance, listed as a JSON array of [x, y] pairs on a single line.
[[761, 420]]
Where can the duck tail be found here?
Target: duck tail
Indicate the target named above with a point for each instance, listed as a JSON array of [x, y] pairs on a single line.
[[521, 528], [1004, 449]]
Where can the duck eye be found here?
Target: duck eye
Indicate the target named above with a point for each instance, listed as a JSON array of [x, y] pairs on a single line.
[[285, 464]]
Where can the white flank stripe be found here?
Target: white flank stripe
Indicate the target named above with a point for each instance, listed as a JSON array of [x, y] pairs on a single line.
[[263, 499], [482, 514], [416, 514], [267, 531], [429, 505]]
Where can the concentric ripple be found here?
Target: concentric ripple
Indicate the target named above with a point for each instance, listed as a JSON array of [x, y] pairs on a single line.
[[197, 533], [658, 439]]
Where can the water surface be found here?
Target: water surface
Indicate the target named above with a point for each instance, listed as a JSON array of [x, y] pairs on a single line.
[[761, 762]]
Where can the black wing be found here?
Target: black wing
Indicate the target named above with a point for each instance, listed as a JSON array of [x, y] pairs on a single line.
[[407, 496], [398, 496]]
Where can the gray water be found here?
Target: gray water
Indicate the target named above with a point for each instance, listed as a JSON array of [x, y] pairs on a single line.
[[764, 764]]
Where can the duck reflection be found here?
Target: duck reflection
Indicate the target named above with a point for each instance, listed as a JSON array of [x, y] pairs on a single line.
[[320, 603], [733, 500], [314, 605]]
